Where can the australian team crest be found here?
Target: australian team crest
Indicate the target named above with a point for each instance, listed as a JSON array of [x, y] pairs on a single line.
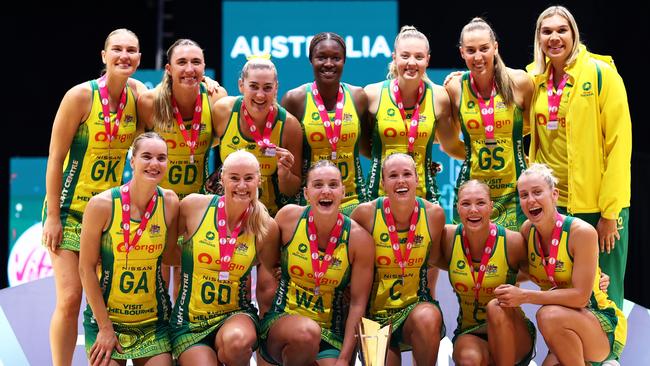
[[154, 230]]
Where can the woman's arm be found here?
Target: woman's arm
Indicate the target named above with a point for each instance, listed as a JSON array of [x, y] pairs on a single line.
[[290, 157], [268, 252], [171, 254], [448, 129], [362, 257]]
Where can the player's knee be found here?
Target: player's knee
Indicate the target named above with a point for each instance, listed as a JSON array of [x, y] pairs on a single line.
[[550, 318], [307, 333], [68, 302], [495, 313], [468, 357], [426, 317]]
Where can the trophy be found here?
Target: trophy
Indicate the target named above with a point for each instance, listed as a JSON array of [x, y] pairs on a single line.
[[373, 342]]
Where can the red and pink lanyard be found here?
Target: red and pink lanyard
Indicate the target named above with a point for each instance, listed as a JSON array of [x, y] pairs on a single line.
[[549, 266], [415, 118], [125, 192], [402, 260], [487, 112], [190, 140], [263, 141], [333, 132], [554, 98], [485, 258], [106, 109], [320, 268], [226, 243]]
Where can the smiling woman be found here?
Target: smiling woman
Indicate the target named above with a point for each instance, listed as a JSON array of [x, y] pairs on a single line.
[[255, 122], [129, 231], [331, 114]]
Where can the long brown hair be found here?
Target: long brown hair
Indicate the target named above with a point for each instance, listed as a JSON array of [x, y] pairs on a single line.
[[502, 79], [163, 111]]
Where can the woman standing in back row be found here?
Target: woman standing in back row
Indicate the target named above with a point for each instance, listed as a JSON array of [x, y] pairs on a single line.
[[92, 131], [582, 131], [331, 113], [490, 104]]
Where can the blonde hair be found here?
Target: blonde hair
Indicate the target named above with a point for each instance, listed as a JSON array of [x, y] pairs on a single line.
[[473, 183], [395, 156], [258, 63], [118, 31], [163, 111], [135, 146], [407, 31], [543, 171], [502, 79], [258, 217], [539, 56], [321, 164]]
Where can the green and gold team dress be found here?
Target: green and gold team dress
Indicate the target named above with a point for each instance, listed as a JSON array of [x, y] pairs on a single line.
[[611, 318], [393, 297], [134, 291], [390, 135], [183, 175], [91, 166], [296, 294], [233, 139], [204, 301], [317, 147], [499, 166]]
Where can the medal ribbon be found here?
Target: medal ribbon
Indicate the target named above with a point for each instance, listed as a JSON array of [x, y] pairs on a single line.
[[227, 244], [485, 258], [394, 238], [190, 140], [263, 141], [554, 97], [415, 118], [333, 132], [125, 193], [487, 110], [320, 268], [549, 265], [106, 109]]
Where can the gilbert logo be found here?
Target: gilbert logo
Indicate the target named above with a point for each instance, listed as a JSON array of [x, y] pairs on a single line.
[[460, 264], [390, 112], [209, 235], [586, 86], [471, 104], [235, 140]]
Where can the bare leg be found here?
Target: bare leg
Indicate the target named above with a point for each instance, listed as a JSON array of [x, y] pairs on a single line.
[[507, 328], [63, 326], [573, 335], [199, 355], [471, 350], [163, 359], [394, 357], [294, 340], [421, 331], [235, 340]]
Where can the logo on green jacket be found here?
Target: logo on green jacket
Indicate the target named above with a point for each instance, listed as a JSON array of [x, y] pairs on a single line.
[[586, 86]]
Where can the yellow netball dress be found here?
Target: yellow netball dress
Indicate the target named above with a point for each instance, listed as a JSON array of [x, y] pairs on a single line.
[[611, 318], [498, 166], [184, 176], [390, 135], [91, 166], [317, 147], [393, 296], [233, 139], [134, 291], [204, 302], [296, 292]]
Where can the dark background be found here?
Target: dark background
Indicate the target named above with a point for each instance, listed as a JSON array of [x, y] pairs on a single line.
[[46, 49]]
